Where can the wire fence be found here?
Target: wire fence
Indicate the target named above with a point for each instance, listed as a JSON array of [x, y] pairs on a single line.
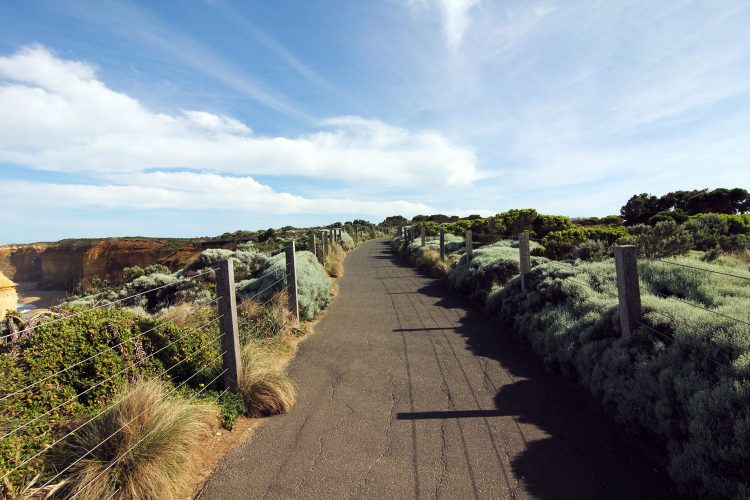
[[211, 353], [473, 241]]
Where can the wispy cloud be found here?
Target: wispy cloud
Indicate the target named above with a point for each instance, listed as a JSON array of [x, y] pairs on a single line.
[[139, 25], [275, 46], [455, 17]]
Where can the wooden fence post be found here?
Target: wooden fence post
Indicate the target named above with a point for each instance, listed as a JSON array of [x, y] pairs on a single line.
[[291, 280], [424, 236], [442, 244], [324, 238], [411, 234], [628, 288], [524, 257], [230, 338], [469, 244], [311, 244]]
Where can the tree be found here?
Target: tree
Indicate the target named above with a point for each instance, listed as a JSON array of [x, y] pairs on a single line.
[[394, 220], [640, 208]]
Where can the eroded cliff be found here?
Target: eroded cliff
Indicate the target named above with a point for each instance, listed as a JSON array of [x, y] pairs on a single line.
[[63, 264]]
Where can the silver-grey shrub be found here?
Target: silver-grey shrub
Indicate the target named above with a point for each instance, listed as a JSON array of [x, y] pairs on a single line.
[[490, 266], [313, 284], [687, 385], [347, 242]]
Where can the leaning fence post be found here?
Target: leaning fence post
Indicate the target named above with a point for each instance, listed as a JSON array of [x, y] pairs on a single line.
[[311, 244], [628, 288], [230, 339], [424, 235], [442, 244], [291, 280], [524, 257], [469, 244]]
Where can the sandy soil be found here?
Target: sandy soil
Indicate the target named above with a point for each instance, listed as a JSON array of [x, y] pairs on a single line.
[[34, 301]]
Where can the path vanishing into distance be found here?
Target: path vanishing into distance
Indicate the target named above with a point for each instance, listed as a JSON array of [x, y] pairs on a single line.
[[406, 390]]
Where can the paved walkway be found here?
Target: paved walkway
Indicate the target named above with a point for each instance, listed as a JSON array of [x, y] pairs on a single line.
[[408, 391]]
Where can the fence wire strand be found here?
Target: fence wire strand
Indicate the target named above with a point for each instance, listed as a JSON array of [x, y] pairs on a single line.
[[104, 410], [70, 367], [121, 456], [746, 278], [104, 306], [658, 294], [125, 425], [106, 380]]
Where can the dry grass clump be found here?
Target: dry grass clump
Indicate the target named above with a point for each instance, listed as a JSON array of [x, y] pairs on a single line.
[[187, 314], [334, 263], [258, 320], [267, 390], [148, 458]]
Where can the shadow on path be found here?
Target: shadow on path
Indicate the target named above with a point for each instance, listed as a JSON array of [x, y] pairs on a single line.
[[572, 450]]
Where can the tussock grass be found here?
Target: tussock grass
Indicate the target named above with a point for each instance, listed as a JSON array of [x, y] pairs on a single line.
[[334, 263], [264, 320], [267, 390], [187, 314], [152, 453]]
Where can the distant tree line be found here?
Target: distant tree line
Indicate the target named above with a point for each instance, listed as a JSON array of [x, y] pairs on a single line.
[[679, 205]]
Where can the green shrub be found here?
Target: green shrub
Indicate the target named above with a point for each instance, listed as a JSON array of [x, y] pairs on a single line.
[[562, 244], [592, 250], [665, 239]]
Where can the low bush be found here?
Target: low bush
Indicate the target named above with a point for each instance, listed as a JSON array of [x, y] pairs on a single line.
[[347, 242], [489, 266], [313, 285], [562, 244]]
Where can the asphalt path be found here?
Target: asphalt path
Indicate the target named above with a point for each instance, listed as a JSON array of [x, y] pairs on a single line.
[[407, 390]]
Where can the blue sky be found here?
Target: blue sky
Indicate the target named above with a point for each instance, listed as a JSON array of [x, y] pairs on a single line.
[[196, 118]]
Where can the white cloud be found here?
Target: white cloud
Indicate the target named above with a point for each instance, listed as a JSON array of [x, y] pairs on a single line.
[[184, 190], [58, 116]]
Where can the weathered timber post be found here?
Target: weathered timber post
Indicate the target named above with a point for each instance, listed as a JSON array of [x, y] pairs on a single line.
[[442, 244], [424, 236], [411, 234], [524, 257], [311, 245], [230, 339], [291, 280], [628, 288], [324, 238], [400, 231], [469, 244]]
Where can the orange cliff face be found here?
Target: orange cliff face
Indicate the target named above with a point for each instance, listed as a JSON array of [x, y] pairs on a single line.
[[62, 265]]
